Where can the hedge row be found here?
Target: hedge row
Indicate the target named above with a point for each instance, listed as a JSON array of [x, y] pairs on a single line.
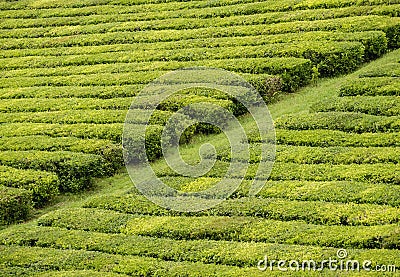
[[74, 170], [61, 260], [245, 229], [318, 155], [15, 204], [110, 151], [93, 7], [39, 104], [375, 43], [111, 132], [93, 79], [315, 212], [377, 173], [295, 72], [350, 24], [374, 86], [329, 191], [324, 138], [375, 105], [348, 122], [386, 70], [228, 252], [100, 92], [42, 185], [333, 191], [330, 57], [86, 116], [182, 23], [130, 13]]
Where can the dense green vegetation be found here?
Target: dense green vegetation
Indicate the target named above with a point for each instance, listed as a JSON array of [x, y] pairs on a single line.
[[69, 72]]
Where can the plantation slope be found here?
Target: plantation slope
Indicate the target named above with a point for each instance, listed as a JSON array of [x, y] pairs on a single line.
[[70, 70], [328, 190]]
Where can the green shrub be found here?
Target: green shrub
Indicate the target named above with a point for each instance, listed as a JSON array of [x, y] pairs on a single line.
[[348, 122], [74, 170], [375, 105], [15, 204], [324, 138], [219, 228], [42, 185], [315, 212], [374, 86]]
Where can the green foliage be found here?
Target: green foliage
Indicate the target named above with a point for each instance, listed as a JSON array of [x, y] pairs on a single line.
[[348, 122], [74, 170], [375, 105], [15, 204], [42, 185], [314, 212], [374, 86], [219, 228], [324, 138]]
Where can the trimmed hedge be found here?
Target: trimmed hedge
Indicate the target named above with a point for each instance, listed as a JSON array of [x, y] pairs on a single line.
[[67, 92], [245, 229], [377, 172], [330, 57], [348, 122], [324, 138], [295, 72], [87, 116], [375, 43], [318, 155], [187, 252], [374, 86], [74, 170], [42, 185], [125, 264], [386, 70], [375, 105], [123, 35], [314, 212], [15, 204]]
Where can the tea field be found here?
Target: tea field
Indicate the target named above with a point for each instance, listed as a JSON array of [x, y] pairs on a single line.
[[69, 72]]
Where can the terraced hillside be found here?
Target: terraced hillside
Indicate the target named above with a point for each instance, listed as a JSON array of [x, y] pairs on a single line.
[[70, 71], [334, 185]]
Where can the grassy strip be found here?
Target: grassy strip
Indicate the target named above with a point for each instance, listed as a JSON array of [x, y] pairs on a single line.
[[244, 229], [374, 86], [15, 204], [348, 122], [375, 105], [277, 209], [42, 185]]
